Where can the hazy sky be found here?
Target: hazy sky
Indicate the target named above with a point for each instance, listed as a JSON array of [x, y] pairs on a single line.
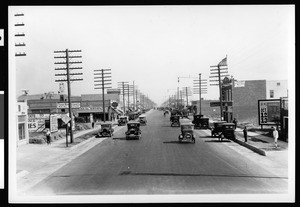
[[153, 45]]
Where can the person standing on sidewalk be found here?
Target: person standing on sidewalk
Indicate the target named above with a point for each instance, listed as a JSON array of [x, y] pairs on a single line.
[[235, 122], [275, 136], [48, 136], [245, 133]]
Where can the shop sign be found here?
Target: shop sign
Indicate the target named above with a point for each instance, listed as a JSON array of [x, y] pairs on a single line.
[[33, 125], [53, 123], [113, 91], [268, 111], [66, 105]]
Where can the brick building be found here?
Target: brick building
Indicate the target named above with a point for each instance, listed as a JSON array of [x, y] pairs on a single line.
[[246, 94]]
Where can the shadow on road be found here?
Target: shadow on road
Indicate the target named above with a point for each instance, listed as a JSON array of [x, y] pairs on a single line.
[[119, 138], [217, 141]]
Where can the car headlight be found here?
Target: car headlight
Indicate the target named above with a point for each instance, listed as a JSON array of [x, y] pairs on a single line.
[[180, 136]]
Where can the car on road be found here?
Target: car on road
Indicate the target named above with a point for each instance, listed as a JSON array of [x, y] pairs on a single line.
[[106, 130], [175, 120], [222, 129], [142, 119], [201, 122], [187, 133], [122, 120], [133, 130]]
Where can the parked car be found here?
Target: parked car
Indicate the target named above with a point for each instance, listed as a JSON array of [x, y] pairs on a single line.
[[106, 129], [222, 129], [201, 122], [133, 130], [142, 119], [122, 120]]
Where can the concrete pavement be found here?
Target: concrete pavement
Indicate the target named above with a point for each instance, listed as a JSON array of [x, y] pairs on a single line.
[[37, 161]]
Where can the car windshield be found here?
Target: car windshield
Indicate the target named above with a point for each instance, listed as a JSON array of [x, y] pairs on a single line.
[[186, 127], [132, 125], [105, 126]]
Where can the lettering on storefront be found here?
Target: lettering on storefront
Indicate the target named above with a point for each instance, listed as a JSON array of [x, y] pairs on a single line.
[[66, 105], [32, 125]]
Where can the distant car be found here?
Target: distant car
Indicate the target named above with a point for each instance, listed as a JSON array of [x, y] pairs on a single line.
[[122, 120], [142, 119], [175, 120], [106, 130], [187, 133], [133, 130]]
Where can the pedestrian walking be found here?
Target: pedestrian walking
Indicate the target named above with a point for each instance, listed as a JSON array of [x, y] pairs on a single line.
[[275, 136], [245, 133], [235, 122], [48, 136], [93, 124]]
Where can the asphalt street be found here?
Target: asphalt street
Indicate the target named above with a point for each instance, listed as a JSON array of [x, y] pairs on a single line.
[[159, 164]]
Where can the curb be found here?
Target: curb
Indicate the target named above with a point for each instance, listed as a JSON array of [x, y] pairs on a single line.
[[254, 149], [88, 140]]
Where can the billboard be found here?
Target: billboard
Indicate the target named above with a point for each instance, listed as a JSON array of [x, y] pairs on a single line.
[[268, 111]]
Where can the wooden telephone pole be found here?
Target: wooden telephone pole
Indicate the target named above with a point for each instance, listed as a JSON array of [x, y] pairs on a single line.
[[68, 73], [103, 84], [217, 72], [200, 87]]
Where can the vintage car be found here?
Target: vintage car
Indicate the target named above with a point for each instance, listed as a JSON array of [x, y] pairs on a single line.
[[222, 129], [142, 119], [201, 122], [106, 130], [133, 130], [187, 133], [228, 131], [133, 115], [216, 130], [122, 120], [175, 120]]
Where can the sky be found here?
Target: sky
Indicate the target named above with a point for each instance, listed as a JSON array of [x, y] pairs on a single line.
[[152, 45]]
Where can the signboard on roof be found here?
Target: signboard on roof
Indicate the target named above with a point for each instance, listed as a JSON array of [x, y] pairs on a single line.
[[65, 105], [268, 111]]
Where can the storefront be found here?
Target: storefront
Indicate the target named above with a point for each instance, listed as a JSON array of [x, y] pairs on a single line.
[[22, 126]]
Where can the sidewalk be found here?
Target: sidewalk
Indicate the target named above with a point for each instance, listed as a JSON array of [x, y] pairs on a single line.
[[37, 161], [259, 143]]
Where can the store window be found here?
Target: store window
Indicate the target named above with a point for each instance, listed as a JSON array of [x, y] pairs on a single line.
[[21, 131], [271, 93]]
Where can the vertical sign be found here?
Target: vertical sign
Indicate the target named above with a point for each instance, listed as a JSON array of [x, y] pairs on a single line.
[[53, 123], [268, 111]]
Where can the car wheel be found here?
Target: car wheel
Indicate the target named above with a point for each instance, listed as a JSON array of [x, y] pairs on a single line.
[[222, 136]]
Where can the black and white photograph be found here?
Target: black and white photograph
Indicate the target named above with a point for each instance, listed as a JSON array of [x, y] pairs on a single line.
[[151, 104]]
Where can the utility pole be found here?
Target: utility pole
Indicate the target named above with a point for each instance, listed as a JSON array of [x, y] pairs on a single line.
[[103, 85], [220, 73], [67, 69], [122, 87], [199, 89], [134, 103], [19, 35]]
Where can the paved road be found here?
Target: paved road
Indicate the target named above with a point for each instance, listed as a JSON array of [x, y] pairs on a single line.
[[158, 164]]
